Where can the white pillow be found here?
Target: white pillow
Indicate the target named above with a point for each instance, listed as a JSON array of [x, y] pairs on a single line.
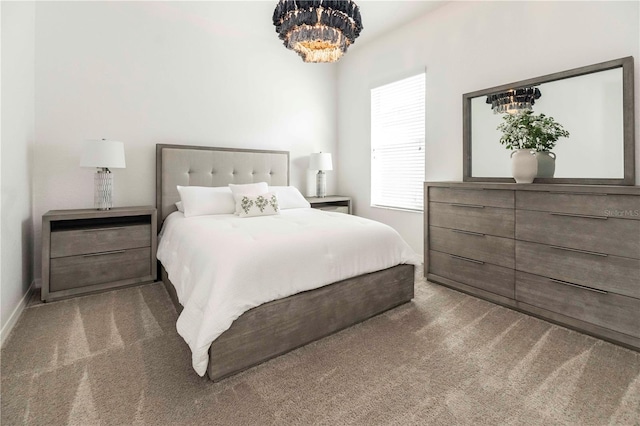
[[179, 207], [289, 197], [204, 200], [247, 189], [258, 205]]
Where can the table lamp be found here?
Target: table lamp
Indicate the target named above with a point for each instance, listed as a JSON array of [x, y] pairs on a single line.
[[320, 161], [103, 154]]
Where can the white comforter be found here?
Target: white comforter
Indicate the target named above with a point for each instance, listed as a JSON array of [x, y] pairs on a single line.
[[224, 265]]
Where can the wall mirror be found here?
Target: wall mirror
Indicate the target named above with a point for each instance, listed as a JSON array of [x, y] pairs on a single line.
[[593, 103]]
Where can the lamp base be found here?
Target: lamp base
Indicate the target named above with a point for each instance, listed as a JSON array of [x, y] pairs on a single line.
[[103, 189], [321, 184]]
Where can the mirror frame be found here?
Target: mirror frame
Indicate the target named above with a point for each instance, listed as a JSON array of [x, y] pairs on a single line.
[[628, 123]]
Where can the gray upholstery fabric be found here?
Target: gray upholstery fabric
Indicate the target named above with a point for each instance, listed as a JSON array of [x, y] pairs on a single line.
[[205, 166]]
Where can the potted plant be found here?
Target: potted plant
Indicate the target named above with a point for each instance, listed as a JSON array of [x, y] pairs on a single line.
[[531, 137]]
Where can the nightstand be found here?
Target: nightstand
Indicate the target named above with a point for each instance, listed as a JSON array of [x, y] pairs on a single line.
[[334, 203], [92, 250]]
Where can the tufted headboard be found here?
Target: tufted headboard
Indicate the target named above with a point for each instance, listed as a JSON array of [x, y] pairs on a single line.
[[206, 166]]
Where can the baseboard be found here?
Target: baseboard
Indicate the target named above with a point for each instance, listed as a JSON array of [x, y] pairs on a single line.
[[15, 315]]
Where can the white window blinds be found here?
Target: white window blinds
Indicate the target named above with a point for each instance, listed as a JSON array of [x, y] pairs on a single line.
[[397, 143]]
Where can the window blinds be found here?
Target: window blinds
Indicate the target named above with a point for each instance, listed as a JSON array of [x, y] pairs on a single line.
[[397, 144]]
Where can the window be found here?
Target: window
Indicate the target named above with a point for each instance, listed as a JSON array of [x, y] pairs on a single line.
[[397, 144]]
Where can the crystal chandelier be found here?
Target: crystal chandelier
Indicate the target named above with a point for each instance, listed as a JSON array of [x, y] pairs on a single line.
[[319, 30], [513, 101]]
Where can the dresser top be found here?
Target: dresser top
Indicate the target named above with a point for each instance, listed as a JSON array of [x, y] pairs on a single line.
[[595, 189]]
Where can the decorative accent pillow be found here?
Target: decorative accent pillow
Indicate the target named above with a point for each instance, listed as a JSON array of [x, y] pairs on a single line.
[[289, 197], [203, 200], [258, 205], [247, 189]]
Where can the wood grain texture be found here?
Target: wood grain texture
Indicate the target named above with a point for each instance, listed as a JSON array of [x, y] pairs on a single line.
[[599, 251], [337, 203], [96, 240], [86, 270], [538, 187], [610, 310], [282, 325], [618, 237], [65, 276], [487, 248], [488, 220], [488, 277], [478, 196], [594, 204], [628, 123], [611, 273]]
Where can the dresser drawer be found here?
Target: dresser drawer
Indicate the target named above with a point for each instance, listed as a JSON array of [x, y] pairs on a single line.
[[81, 271], [484, 220], [479, 197], [611, 205], [608, 310], [486, 276], [619, 237], [487, 248], [610, 273], [96, 240]]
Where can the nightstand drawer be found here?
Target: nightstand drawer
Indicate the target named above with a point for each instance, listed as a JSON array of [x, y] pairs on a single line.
[[81, 271], [97, 240], [485, 220], [485, 276], [609, 310], [336, 209]]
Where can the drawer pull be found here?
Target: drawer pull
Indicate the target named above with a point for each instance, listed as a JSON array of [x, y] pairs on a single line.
[[595, 290], [594, 253], [105, 229], [467, 259], [460, 231], [577, 193], [583, 216], [473, 206], [103, 253]]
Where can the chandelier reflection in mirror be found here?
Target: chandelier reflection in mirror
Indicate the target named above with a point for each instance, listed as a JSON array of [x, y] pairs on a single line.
[[318, 30], [514, 101]]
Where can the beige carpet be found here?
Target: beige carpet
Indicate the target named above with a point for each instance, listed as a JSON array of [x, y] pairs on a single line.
[[446, 358]]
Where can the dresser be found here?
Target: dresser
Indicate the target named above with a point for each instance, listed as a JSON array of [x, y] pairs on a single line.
[[91, 250], [566, 253]]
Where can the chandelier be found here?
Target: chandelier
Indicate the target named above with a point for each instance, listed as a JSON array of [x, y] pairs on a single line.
[[513, 101], [319, 30]]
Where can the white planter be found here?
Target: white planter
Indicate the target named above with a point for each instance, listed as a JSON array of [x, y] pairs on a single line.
[[524, 165], [546, 164]]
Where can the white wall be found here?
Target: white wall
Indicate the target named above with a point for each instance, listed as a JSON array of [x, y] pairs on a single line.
[[468, 46], [199, 73], [16, 224]]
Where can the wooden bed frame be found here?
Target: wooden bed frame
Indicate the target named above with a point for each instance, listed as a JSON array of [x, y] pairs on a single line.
[[280, 326]]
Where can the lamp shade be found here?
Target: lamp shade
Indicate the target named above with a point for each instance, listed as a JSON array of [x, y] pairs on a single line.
[[103, 153], [320, 161]]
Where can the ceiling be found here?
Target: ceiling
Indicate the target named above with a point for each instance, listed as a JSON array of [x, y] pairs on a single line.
[[220, 17], [379, 17]]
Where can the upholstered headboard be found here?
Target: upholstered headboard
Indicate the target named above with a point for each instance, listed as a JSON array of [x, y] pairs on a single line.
[[206, 166]]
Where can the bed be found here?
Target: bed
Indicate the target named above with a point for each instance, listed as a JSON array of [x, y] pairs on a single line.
[[284, 324]]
